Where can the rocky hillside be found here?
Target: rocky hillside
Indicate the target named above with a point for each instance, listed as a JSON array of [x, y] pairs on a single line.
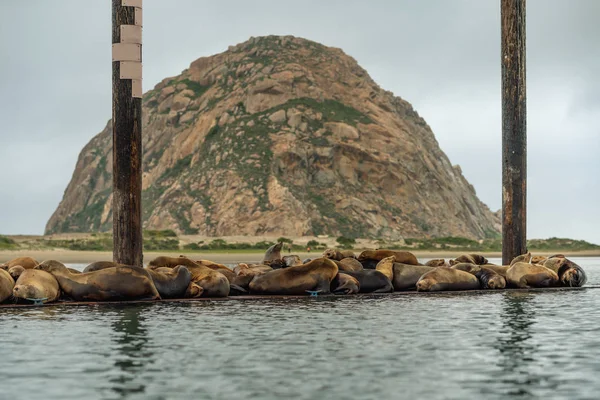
[[281, 136]]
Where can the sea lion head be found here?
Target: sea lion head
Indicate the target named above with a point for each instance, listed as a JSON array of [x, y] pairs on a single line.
[[291, 261], [366, 255], [329, 253], [16, 271], [496, 282], [424, 285], [52, 266], [573, 277], [193, 291], [25, 291]]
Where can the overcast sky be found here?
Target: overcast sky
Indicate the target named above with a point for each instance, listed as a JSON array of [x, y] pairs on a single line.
[[442, 56]]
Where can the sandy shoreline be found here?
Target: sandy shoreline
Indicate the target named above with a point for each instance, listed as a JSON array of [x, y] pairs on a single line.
[[82, 257]]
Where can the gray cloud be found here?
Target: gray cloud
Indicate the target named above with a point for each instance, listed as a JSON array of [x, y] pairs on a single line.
[[441, 56]]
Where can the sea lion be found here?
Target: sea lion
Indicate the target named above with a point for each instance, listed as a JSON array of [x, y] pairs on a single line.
[[441, 279], [499, 269], [406, 276], [245, 274], [99, 265], [273, 253], [171, 283], [525, 258], [338, 255], [439, 262], [252, 268], [569, 273], [349, 264], [372, 281], [34, 284], [25, 262], [386, 267], [488, 278], [16, 271], [525, 275], [214, 283], [344, 284], [404, 257], [7, 283], [228, 272], [314, 276], [111, 284], [476, 259], [292, 261], [538, 260]]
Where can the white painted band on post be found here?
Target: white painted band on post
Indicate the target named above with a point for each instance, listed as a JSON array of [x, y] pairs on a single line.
[[131, 3], [130, 70], [126, 52], [136, 88], [138, 17], [131, 34]]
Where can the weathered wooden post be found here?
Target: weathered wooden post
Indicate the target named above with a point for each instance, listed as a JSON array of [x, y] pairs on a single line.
[[127, 131], [514, 130]]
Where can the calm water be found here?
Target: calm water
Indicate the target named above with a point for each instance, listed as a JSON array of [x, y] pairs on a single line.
[[498, 346]]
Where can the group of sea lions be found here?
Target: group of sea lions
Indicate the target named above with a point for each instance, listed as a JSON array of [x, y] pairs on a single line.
[[338, 272]]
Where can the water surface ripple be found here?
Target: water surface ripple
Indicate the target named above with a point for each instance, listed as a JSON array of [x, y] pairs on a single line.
[[498, 346]]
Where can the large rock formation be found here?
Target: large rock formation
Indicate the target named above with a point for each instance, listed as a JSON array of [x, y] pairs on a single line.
[[281, 136]]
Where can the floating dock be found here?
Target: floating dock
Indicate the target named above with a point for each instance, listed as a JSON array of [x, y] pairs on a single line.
[[307, 297]]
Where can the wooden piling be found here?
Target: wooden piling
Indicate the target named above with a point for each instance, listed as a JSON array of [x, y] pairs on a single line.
[[514, 130], [127, 132]]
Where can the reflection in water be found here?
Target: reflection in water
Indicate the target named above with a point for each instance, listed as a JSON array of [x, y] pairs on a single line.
[[516, 348], [131, 338]]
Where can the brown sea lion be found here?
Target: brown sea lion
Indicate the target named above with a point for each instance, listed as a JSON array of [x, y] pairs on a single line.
[[34, 284], [569, 273], [99, 265], [314, 276], [228, 272], [292, 261], [349, 264], [245, 274], [111, 284], [16, 271], [439, 262], [171, 283], [406, 276], [7, 283], [338, 255], [344, 284], [372, 281], [386, 267], [538, 260], [525, 275], [499, 269], [488, 278], [251, 268], [273, 253], [214, 283], [404, 257], [442, 279], [476, 259], [25, 262], [524, 258]]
